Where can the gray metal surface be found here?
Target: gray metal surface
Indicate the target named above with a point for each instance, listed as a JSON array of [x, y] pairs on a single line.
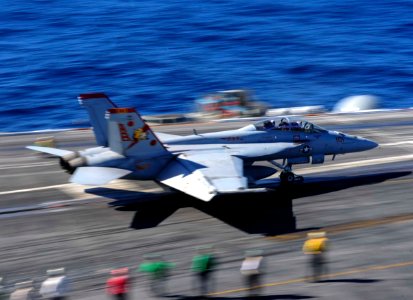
[[362, 200]]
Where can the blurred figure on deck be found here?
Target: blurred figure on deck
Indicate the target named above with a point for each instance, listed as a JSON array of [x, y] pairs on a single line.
[[117, 285], [252, 270], [203, 264], [23, 291], [45, 142], [56, 286], [158, 270], [316, 247]]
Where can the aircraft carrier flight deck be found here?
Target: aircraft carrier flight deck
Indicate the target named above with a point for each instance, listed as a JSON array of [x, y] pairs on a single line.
[[364, 201]]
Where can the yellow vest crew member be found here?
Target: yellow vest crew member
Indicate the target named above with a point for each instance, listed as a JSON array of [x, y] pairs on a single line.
[[316, 247]]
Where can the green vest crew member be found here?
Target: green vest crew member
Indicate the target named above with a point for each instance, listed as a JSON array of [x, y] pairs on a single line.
[[203, 264], [158, 270]]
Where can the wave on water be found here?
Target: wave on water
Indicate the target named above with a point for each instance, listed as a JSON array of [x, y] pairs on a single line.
[[160, 56]]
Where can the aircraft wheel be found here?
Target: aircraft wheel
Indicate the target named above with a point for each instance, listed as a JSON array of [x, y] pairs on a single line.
[[290, 177], [287, 177]]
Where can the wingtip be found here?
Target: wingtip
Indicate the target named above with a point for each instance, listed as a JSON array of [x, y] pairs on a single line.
[[49, 150]]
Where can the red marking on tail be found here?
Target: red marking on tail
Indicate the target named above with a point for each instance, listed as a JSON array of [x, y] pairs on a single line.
[[121, 110], [123, 133]]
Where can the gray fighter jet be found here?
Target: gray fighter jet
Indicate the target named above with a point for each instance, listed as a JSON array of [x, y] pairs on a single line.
[[201, 165]]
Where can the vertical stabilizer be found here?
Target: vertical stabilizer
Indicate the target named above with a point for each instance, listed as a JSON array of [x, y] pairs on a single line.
[[96, 105], [130, 136]]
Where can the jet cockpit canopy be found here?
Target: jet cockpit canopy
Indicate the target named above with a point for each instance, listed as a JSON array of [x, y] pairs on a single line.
[[288, 124]]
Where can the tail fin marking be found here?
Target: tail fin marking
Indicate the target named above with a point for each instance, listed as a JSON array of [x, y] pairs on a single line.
[[129, 135]]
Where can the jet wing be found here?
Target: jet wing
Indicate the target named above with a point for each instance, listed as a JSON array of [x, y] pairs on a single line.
[[204, 171], [204, 175]]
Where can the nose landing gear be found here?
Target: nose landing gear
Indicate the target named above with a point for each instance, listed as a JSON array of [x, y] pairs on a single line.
[[287, 176]]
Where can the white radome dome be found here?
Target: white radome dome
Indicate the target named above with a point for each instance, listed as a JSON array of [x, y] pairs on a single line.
[[356, 103]]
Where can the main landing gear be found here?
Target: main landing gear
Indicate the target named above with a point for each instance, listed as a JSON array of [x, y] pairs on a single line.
[[287, 176], [290, 177]]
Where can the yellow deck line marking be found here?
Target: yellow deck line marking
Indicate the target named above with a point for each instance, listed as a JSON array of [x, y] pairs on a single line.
[[327, 276], [337, 229]]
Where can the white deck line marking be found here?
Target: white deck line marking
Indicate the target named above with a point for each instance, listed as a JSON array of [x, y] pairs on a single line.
[[21, 158], [32, 174], [397, 143], [29, 165], [35, 189], [360, 163]]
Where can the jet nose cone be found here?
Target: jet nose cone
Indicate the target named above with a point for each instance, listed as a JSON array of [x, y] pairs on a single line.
[[368, 144]]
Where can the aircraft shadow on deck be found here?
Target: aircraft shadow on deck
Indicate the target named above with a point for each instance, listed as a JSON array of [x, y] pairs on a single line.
[[257, 213], [350, 281]]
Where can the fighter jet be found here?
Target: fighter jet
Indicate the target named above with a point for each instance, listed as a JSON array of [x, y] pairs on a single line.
[[201, 165]]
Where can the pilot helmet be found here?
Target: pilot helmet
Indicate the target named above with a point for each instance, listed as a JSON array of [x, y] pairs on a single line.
[[283, 122], [269, 124]]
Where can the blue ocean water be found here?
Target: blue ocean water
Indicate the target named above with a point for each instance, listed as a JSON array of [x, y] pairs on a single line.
[[160, 55]]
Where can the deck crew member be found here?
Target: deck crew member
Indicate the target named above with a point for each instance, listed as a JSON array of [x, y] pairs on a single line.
[[316, 247]]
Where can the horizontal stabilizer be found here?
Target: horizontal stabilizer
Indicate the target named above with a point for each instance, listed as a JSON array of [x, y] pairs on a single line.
[[97, 175], [52, 151]]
